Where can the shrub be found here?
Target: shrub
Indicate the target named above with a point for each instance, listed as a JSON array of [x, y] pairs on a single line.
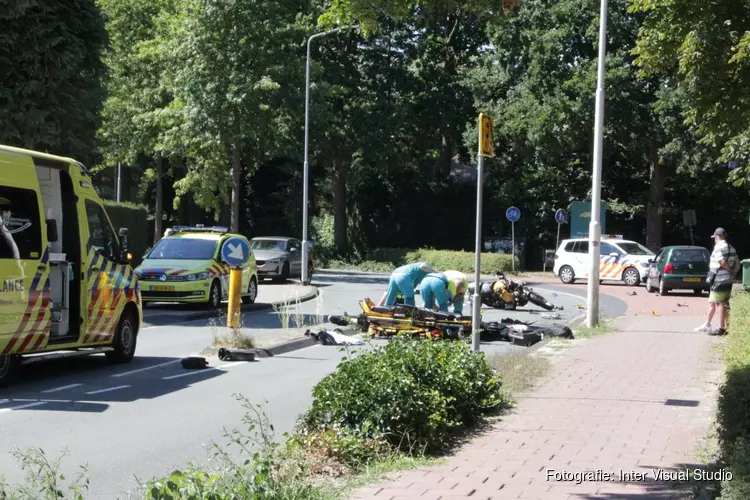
[[412, 393], [734, 401], [463, 261], [135, 218]]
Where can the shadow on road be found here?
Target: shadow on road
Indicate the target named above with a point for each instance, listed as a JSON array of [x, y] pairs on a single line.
[[85, 384]]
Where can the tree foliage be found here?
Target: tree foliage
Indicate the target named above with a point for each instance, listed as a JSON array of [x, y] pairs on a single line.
[[50, 59], [708, 46]]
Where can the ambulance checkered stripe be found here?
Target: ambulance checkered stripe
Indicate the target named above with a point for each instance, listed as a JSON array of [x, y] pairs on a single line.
[[34, 326]]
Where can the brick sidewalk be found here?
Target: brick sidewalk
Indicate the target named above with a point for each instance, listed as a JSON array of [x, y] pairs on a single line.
[[635, 400]]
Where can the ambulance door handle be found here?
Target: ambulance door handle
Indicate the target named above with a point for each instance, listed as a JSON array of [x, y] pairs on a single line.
[[41, 268], [95, 269]]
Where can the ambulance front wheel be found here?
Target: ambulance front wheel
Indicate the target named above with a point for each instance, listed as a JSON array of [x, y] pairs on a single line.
[[214, 295], [9, 365], [125, 340]]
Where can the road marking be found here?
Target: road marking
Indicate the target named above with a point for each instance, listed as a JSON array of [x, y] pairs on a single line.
[[64, 387], [109, 389], [21, 407], [210, 368], [229, 365], [192, 372], [146, 368]]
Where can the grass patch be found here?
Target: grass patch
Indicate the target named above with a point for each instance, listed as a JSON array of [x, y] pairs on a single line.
[[604, 327], [235, 338], [733, 416], [519, 371]]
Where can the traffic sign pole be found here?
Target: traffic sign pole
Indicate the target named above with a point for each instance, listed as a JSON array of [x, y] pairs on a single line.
[[513, 246], [235, 292], [486, 148], [235, 251]]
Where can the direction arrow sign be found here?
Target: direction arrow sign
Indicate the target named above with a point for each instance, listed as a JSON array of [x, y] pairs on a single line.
[[561, 216], [235, 251], [513, 214]]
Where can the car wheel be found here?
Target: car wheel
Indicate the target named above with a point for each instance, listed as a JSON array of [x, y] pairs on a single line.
[[252, 292], [214, 296], [567, 275], [698, 291], [663, 288], [125, 340], [631, 276], [9, 364], [650, 288]]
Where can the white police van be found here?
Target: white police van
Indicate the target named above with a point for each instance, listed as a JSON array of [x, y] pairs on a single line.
[[620, 260]]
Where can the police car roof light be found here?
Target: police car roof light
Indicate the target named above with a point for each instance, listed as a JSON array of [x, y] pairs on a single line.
[[612, 236]]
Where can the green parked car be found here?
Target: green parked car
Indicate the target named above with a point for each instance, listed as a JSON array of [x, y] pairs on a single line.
[[679, 268]]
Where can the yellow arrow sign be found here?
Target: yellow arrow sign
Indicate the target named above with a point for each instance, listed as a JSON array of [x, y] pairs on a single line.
[[486, 146]]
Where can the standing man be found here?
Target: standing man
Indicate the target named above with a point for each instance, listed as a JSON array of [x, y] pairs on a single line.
[[404, 279], [723, 267]]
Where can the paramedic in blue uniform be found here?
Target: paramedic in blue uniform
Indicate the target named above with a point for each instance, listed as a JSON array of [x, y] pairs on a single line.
[[405, 279], [441, 290]]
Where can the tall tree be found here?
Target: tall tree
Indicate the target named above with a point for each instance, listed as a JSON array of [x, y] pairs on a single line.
[[134, 117], [50, 59], [709, 48], [540, 81], [232, 64]]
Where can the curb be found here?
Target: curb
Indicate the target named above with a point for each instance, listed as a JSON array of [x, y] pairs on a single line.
[[288, 346], [257, 306]]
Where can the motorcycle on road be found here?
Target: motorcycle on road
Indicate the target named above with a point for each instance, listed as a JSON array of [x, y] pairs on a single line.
[[504, 293]]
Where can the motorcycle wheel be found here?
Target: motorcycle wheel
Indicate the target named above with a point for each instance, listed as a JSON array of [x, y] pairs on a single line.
[[537, 299]]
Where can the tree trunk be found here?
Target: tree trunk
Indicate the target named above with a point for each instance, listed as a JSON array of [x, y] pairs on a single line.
[[340, 222], [236, 186], [655, 210], [446, 155], [159, 204]]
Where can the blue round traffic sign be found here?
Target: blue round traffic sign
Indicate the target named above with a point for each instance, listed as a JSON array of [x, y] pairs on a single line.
[[561, 216], [513, 214], [235, 251]]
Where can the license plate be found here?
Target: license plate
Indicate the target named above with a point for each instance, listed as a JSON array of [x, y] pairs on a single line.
[[157, 288], [692, 280]]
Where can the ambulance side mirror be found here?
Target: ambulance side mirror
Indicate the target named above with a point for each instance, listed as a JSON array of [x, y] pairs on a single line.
[[125, 256], [52, 235]]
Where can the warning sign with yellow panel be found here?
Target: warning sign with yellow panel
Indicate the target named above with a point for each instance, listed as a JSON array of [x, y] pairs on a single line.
[[486, 146]]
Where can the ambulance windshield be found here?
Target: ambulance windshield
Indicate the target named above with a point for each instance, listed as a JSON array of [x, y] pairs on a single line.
[[183, 249]]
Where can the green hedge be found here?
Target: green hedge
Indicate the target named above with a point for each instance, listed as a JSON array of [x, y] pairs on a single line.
[[414, 394], [441, 260], [734, 402], [135, 218]]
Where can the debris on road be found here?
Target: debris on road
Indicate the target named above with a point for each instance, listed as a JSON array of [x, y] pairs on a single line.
[[333, 337], [633, 293], [194, 363], [236, 354], [551, 316]]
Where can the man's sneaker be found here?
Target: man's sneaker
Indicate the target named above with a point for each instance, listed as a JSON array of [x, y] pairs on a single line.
[[720, 331], [703, 329]]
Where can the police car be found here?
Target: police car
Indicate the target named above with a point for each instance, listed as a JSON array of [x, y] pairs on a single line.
[[620, 260]]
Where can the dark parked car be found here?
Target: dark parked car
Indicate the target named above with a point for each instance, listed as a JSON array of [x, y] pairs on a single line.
[[679, 268]]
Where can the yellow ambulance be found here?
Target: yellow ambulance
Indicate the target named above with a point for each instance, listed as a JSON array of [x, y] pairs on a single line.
[[67, 284]]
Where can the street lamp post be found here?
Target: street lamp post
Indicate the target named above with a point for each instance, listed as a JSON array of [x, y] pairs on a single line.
[[306, 175], [595, 229]]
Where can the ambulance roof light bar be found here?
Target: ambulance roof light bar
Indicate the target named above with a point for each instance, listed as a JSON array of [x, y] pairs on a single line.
[[201, 228]]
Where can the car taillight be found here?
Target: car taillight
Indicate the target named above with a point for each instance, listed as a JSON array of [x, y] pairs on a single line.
[[668, 269]]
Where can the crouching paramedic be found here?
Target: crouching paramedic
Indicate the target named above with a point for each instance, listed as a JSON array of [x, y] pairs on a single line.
[[404, 279], [441, 290]]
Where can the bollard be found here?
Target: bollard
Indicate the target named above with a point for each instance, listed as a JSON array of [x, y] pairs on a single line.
[[235, 287]]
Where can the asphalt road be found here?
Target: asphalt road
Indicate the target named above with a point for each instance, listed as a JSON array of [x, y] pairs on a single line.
[[152, 416]]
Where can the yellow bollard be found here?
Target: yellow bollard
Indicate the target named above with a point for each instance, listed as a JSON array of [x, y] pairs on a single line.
[[235, 291]]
